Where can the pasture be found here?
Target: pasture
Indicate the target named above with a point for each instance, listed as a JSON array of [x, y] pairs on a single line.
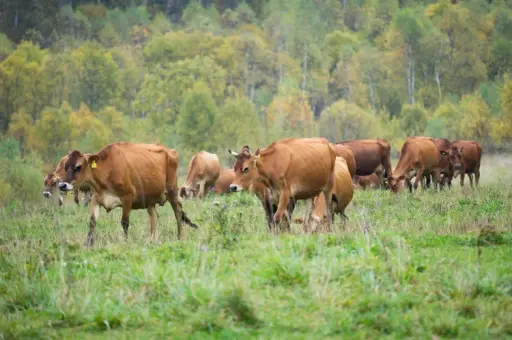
[[411, 265]]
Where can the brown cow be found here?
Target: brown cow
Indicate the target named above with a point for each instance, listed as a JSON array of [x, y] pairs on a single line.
[[51, 181], [369, 154], [465, 156], [203, 171], [348, 155], [127, 175], [246, 178], [298, 168], [342, 194], [419, 156], [445, 165], [225, 179], [372, 181]]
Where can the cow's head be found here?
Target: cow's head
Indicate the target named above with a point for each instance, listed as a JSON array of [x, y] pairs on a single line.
[[456, 157], [396, 184], [245, 170], [50, 183], [77, 170]]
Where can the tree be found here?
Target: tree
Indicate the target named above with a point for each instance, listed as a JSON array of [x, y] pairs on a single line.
[[475, 121], [413, 120], [20, 128], [196, 123]]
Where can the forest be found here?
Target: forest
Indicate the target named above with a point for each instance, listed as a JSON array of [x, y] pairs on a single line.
[[216, 74]]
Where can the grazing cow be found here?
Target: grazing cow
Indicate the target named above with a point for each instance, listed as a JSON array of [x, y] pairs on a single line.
[[51, 182], [298, 168], [246, 178], [203, 171], [419, 156], [127, 175], [225, 179], [342, 194], [369, 154], [465, 156], [348, 155]]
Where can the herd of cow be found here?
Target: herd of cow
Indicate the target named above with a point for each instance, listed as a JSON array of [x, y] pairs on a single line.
[[141, 176]]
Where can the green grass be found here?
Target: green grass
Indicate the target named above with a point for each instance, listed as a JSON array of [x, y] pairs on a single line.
[[431, 264]]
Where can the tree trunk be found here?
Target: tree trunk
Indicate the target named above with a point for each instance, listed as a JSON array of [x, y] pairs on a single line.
[[410, 74], [304, 73], [281, 67], [438, 81], [372, 95]]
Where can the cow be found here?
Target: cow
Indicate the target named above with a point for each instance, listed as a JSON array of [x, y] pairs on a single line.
[[298, 168], [348, 155], [203, 171], [246, 178], [445, 165], [51, 182], [369, 154], [127, 175], [465, 156], [419, 156], [224, 181], [342, 194], [372, 181]]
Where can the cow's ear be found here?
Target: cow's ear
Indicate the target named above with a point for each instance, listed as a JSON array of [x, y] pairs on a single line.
[[93, 160], [232, 153], [246, 148], [461, 149], [444, 153], [401, 178]]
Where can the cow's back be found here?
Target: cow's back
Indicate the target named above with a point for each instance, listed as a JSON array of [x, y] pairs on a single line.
[[368, 154], [348, 155], [343, 189], [305, 164], [149, 169], [224, 180], [428, 152]]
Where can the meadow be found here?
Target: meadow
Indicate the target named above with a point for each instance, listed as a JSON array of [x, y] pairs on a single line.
[[423, 265]]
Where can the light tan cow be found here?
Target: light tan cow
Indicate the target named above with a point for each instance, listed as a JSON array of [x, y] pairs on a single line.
[[419, 157], [342, 194], [127, 175], [298, 168], [224, 181], [348, 155], [203, 171]]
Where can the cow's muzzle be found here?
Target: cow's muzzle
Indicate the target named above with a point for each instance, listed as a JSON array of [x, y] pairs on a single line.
[[47, 194], [234, 188], [64, 186], [457, 166]]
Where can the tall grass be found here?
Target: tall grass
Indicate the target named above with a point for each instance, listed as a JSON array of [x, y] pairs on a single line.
[[432, 264]]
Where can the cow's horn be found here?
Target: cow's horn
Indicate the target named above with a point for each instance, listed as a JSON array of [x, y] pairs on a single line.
[[233, 153]]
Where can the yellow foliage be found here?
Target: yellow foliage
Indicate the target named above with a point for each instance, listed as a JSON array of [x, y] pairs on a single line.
[[475, 121], [293, 109]]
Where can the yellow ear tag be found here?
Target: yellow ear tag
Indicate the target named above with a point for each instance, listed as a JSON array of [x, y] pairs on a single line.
[[93, 165]]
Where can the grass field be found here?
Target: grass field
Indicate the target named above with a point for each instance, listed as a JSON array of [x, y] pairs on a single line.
[[431, 265]]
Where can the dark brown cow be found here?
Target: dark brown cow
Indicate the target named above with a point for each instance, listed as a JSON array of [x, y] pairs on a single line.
[[127, 175], [203, 171], [465, 156], [348, 156], [298, 168], [225, 179], [445, 165], [419, 156], [369, 154], [246, 178]]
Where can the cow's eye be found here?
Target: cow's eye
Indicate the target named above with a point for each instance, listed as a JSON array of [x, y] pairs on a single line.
[[78, 168], [246, 169]]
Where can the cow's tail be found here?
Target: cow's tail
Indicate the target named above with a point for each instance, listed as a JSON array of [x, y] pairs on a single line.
[[186, 220]]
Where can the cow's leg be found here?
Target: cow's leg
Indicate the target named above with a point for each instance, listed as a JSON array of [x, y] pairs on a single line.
[[201, 189], [87, 198], [152, 220], [76, 199], [284, 196], [268, 213], [437, 182], [95, 214], [61, 199], [125, 217], [419, 178], [290, 209], [462, 173], [470, 175], [477, 176], [178, 210]]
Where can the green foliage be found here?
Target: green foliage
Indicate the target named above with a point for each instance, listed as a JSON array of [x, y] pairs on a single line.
[[196, 124], [413, 120]]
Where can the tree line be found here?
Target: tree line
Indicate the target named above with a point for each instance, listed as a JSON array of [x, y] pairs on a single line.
[[215, 74]]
